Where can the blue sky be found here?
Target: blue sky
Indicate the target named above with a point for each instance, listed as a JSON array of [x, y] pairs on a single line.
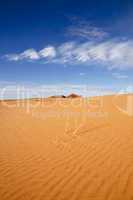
[[66, 43]]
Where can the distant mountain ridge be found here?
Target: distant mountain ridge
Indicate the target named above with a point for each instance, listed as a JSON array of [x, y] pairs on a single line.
[[72, 95]]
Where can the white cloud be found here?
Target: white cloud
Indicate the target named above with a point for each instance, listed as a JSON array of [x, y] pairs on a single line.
[[97, 48], [65, 52], [81, 73], [110, 54], [12, 57], [119, 76], [32, 54], [29, 54], [48, 52], [85, 30], [114, 54]]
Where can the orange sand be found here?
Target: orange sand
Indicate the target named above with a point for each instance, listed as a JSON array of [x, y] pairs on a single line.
[[66, 149]]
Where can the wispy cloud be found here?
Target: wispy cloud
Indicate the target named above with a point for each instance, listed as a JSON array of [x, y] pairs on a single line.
[[87, 31], [32, 54], [29, 54], [47, 52], [97, 48], [84, 29], [119, 76], [110, 53], [81, 73]]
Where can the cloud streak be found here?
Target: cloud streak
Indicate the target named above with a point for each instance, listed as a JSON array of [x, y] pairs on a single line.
[[119, 76], [96, 48], [48, 52], [84, 29], [111, 54], [29, 54], [87, 31], [32, 54]]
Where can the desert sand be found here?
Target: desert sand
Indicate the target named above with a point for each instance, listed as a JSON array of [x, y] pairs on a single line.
[[67, 149]]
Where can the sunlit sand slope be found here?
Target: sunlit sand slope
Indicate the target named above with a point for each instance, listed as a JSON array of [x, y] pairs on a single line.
[[67, 149]]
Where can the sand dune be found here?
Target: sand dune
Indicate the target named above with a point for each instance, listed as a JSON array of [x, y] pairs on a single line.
[[67, 149]]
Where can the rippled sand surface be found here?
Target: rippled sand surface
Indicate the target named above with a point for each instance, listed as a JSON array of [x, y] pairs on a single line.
[[67, 149]]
